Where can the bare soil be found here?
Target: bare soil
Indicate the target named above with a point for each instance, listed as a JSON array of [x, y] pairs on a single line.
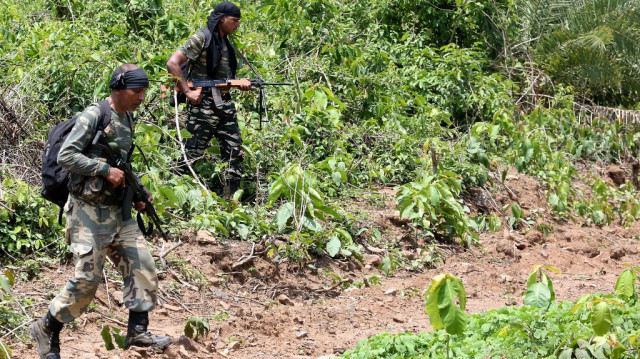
[[276, 309]]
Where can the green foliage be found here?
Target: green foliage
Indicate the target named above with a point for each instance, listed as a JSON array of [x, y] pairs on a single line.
[[596, 326], [540, 291], [196, 327], [106, 335], [626, 284], [28, 223], [431, 204], [7, 280], [590, 45], [440, 304]]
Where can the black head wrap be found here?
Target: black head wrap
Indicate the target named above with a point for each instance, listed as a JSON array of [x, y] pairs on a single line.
[[131, 79], [215, 47]]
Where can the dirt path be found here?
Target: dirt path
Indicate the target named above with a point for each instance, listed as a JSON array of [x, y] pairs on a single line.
[[264, 310]]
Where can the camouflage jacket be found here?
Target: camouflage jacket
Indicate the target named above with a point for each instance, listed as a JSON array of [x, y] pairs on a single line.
[[86, 163], [193, 49]]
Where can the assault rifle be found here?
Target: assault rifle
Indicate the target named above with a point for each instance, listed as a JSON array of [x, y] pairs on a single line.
[[226, 84], [200, 84], [130, 179]]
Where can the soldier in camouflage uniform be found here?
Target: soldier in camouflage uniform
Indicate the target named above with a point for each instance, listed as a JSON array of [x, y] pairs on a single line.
[[212, 111], [97, 225]]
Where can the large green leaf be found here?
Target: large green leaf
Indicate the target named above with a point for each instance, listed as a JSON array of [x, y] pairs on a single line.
[[105, 333], [454, 319], [601, 318], [284, 213], [538, 295], [440, 304], [625, 285], [333, 246]]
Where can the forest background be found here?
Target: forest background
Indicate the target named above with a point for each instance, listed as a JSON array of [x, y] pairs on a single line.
[[438, 99]]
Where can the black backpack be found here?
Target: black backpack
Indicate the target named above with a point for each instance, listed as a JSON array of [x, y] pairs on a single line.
[[55, 178], [186, 68]]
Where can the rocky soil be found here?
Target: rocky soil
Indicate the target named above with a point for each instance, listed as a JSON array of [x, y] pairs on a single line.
[[261, 308]]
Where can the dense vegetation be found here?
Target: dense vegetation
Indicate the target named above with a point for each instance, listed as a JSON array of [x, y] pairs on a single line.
[[434, 97]]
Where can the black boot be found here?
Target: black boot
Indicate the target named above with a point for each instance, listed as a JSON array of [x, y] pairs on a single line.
[[46, 332], [137, 334]]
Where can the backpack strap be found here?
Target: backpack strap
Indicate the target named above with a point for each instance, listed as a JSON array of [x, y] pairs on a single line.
[[105, 115], [104, 120]]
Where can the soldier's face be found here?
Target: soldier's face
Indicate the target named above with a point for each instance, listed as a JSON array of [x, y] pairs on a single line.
[[131, 99], [229, 24]]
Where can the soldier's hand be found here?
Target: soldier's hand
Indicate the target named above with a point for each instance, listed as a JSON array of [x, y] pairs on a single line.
[[194, 97], [115, 177], [244, 84], [140, 205]]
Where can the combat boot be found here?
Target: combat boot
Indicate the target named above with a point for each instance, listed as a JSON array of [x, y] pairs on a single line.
[[46, 332], [137, 334]]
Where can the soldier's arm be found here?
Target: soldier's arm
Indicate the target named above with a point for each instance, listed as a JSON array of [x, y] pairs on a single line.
[[72, 155], [191, 49], [173, 65]]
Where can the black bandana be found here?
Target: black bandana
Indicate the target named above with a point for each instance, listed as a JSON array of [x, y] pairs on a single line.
[[131, 79], [227, 8]]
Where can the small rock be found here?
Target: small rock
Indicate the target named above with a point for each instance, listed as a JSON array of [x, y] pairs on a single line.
[[544, 254], [397, 319], [535, 237], [117, 297], [617, 174], [220, 345], [184, 353], [170, 352], [283, 299], [162, 311], [508, 248], [339, 351], [140, 350], [618, 253], [100, 350], [409, 254], [301, 334], [391, 291], [372, 260], [224, 305], [205, 237], [234, 346], [505, 278], [188, 343], [135, 354], [298, 320]]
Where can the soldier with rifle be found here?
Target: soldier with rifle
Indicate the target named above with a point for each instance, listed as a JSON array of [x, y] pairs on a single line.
[[99, 222], [211, 110]]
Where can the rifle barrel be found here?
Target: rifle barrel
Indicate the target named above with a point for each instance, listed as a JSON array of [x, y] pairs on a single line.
[[274, 84]]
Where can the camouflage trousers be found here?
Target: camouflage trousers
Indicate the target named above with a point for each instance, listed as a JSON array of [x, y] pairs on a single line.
[[206, 121], [94, 233]]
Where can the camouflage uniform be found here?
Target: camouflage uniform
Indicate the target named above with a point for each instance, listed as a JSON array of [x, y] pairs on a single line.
[[95, 228], [207, 120]]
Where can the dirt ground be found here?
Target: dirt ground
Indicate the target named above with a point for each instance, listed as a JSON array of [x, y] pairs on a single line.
[[260, 308]]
